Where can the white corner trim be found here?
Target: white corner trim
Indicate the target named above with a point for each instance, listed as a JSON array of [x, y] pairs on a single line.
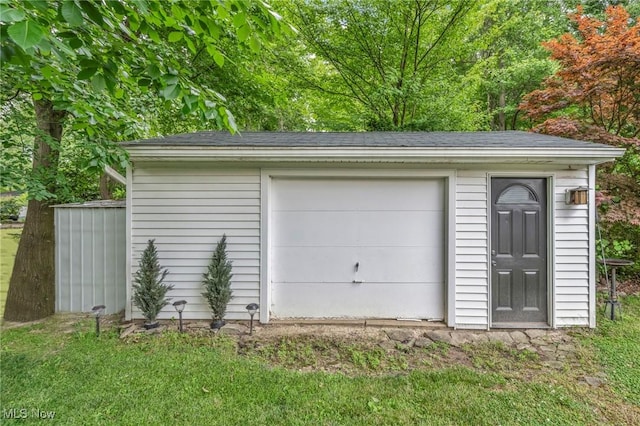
[[489, 266], [129, 183], [592, 245], [265, 245], [451, 244], [551, 250]]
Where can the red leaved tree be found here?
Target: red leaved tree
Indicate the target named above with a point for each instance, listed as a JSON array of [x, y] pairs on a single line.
[[599, 78], [595, 96]]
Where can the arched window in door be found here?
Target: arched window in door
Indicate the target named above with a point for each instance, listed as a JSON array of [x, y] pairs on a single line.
[[517, 194]]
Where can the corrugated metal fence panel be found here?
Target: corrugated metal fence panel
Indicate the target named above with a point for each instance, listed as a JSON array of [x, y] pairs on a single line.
[[90, 258]]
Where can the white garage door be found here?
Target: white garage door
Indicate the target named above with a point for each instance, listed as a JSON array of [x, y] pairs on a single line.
[[357, 248]]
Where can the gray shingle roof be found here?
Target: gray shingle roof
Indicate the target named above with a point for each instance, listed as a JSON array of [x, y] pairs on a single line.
[[508, 139]]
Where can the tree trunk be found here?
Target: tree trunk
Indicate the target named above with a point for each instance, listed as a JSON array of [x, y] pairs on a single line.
[[31, 293], [105, 187], [502, 120]]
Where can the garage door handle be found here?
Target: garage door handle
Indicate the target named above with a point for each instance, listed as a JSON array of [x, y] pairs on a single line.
[[356, 282]]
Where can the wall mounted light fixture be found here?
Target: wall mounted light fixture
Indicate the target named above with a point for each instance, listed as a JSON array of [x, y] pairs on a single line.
[[578, 195]]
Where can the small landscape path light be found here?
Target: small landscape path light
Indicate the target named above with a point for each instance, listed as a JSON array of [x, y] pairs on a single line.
[[252, 308], [97, 311], [179, 305]]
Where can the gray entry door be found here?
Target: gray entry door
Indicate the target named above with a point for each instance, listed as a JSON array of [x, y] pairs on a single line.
[[519, 250]]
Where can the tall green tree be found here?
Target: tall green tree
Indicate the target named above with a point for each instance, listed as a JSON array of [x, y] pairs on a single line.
[[258, 88], [383, 55], [506, 54], [88, 67]]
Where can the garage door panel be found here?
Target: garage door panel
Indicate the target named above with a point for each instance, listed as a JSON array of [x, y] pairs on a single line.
[[364, 228], [324, 300], [401, 264], [315, 228], [400, 228], [394, 230], [376, 264], [313, 264], [332, 194]]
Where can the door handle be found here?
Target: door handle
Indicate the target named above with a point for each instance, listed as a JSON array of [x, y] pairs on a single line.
[[494, 263], [356, 280]]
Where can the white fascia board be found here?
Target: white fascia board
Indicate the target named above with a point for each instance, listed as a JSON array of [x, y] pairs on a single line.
[[594, 155], [113, 174]]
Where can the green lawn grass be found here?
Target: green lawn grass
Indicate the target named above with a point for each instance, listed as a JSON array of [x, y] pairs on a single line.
[[9, 239], [61, 366], [618, 348], [181, 380]]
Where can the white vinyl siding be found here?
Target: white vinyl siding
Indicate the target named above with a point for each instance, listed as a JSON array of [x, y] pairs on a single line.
[[187, 209], [570, 245], [472, 279], [572, 252]]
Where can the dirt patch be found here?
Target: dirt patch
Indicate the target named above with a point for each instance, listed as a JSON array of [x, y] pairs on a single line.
[[347, 351], [275, 331], [67, 322], [630, 286]]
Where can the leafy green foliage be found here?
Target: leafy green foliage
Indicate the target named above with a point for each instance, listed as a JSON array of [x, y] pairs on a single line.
[[598, 78], [106, 63], [217, 281], [382, 55], [505, 55], [16, 142], [25, 34], [614, 249], [593, 96], [422, 65], [9, 239], [149, 289], [10, 207], [79, 169]]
